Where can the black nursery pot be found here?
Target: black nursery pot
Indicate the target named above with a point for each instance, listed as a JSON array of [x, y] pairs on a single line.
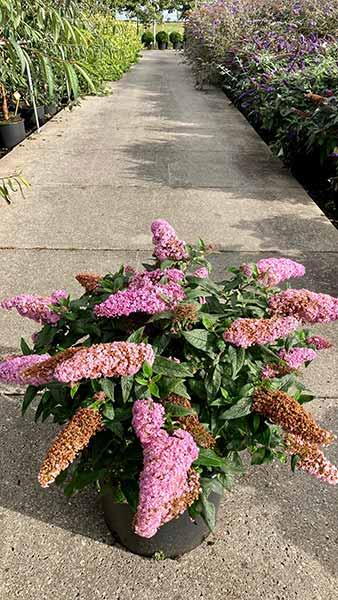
[[172, 539], [50, 109], [41, 116], [162, 45], [12, 133]]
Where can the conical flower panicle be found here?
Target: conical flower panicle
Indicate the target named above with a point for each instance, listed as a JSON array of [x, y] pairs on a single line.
[[307, 306], [167, 245], [90, 281], [36, 308], [75, 436], [104, 360], [312, 459], [285, 411], [44, 372], [13, 368], [164, 483], [249, 332]]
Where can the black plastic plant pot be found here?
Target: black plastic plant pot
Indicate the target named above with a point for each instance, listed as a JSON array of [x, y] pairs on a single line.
[[12, 133], [162, 45], [41, 116], [50, 109], [172, 539]]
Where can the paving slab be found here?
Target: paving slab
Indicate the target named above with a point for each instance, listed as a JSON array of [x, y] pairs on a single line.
[[106, 217], [156, 147]]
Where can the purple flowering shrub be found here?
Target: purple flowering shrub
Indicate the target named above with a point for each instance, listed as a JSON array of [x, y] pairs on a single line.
[[163, 378], [277, 61]]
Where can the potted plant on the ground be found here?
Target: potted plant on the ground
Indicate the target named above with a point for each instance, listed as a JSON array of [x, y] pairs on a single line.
[[12, 128], [147, 39], [163, 378], [176, 39], [162, 40]]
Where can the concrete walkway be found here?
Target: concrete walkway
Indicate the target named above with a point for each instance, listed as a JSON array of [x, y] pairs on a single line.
[[100, 174]]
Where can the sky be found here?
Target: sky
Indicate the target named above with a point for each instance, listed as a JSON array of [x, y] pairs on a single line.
[[167, 16]]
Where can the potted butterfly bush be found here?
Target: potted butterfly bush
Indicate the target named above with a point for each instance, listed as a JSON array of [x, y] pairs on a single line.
[[162, 379]]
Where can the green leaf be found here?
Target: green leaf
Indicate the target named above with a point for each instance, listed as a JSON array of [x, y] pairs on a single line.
[[20, 54], [170, 368], [74, 389], [25, 349], [107, 387], [199, 338], [213, 382], [147, 369], [211, 485], [208, 512], [154, 390], [86, 77], [209, 458], [257, 457], [137, 336], [29, 396], [126, 387], [176, 410], [109, 411], [240, 409], [294, 460]]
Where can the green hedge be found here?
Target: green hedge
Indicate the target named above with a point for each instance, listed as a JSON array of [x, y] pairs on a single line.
[[113, 47]]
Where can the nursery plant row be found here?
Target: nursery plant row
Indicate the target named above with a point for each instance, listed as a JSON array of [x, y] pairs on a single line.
[[278, 62], [50, 54]]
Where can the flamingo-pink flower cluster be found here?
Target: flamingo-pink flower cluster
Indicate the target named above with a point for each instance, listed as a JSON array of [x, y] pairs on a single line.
[[305, 305], [273, 271], [167, 245], [37, 308], [104, 360], [145, 294], [249, 332], [13, 367], [166, 462], [296, 357]]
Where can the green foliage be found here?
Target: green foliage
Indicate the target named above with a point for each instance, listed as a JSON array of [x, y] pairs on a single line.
[[65, 50], [175, 37], [278, 63], [162, 37], [147, 38], [11, 184]]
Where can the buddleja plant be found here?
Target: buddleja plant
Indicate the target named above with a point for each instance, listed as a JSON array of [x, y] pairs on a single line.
[[164, 378]]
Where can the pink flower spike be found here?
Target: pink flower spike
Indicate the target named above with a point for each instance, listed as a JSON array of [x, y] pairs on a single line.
[[149, 298], [167, 245], [319, 342], [296, 357], [12, 368], [166, 462], [249, 332], [305, 305], [36, 308], [202, 273], [104, 360], [273, 271]]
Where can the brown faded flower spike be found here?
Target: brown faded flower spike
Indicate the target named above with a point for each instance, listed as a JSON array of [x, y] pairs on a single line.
[[179, 505], [186, 312], [191, 423], [89, 281], [44, 371], [285, 411], [68, 443]]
